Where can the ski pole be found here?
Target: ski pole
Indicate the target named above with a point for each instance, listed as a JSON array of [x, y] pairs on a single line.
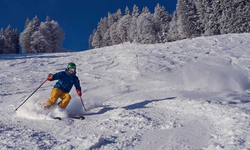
[[30, 95], [83, 104]]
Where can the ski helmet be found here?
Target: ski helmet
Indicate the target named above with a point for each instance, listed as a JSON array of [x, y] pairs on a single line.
[[71, 65]]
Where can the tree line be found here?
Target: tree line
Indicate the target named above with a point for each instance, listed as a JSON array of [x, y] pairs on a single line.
[[9, 40], [41, 37], [37, 37], [192, 18]]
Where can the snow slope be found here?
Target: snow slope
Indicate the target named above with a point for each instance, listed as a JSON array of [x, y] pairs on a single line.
[[185, 95]]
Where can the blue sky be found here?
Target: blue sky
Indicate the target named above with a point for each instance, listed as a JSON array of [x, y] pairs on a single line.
[[78, 18]]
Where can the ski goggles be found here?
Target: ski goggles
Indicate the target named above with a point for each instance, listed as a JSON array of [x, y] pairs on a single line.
[[72, 69]]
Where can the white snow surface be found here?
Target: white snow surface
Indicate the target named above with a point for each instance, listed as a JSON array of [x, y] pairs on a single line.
[[185, 95]]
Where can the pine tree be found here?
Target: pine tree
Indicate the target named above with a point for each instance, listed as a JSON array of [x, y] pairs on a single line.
[[111, 19], [145, 27], [203, 8], [127, 11], [115, 38], [133, 35], [33, 40], [213, 18], [97, 39], [145, 10], [242, 24], [235, 16], [91, 39], [161, 20], [26, 36], [103, 27], [46, 29], [2, 41], [188, 20], [8, 45], [26, 23], [58, 36], [135, 12], [173, 32], [45, 33], [107, 39], [39, 43], [118, 15], [223, 16], [15, 41], [123, 26]]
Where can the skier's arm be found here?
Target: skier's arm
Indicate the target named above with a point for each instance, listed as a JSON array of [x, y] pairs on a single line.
[[57, 76], [52, 77], [78, 87]]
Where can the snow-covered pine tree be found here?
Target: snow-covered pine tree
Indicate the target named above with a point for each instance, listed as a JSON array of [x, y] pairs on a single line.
[[46, 30], [58, 36], [97, 39], [127, 11], [35, 26], [145, 28], [115, 38], [188, 20], [39, 43], [227, 17], [91, 39], [114, 34], [15, 41], [107, 39], [243, 17], [46, 37], [2, 41], [103, 27], [212, 17], [161, 20], [136, 11], [25, 36], [242, 24], [26, 23], [235, 16], [203, 8], [118, 15], [173, 32], [8, 45], [133, 36], [111, 19], [145, 10], [124, 26]]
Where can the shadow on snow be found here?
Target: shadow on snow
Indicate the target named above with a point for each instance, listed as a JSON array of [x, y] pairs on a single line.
[[144, 103], [139, 105]]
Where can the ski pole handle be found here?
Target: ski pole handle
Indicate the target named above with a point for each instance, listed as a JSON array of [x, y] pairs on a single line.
[[30, 95], [83, 104]]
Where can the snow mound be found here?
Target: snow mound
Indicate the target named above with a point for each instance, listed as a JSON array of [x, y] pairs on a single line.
[[198, 75]]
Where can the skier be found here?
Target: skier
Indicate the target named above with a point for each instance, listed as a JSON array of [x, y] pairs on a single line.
[[66, 79]]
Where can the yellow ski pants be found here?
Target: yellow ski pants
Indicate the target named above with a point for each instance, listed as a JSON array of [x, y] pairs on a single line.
[[57, 93]]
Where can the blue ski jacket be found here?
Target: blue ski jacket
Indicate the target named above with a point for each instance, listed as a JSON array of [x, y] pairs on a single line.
[[66, 81]]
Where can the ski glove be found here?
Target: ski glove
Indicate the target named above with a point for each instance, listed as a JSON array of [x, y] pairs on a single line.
[[49, 77], [79, 92]]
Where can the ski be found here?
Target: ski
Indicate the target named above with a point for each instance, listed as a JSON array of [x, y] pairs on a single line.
[[79, 117], [73, 117], [57, 118]]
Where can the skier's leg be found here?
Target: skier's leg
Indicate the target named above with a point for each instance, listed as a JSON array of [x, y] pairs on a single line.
[[55, 94], [65, 100]]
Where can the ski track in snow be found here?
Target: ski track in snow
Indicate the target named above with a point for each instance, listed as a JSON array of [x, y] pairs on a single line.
[[185, 95]]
